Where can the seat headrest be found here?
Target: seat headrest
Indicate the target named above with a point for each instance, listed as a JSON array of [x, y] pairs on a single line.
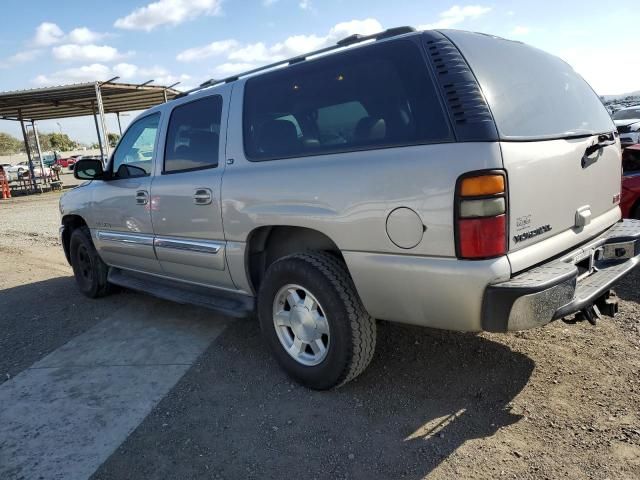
[[370, 128], [278, 137]]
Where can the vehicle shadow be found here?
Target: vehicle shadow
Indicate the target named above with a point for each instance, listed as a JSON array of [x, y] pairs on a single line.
[[236, 415]]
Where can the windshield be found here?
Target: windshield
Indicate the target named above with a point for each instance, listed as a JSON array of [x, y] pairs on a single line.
[[627, 114], [532, 94]]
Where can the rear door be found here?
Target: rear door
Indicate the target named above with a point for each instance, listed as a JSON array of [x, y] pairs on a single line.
[[547, 116], [186, 214]]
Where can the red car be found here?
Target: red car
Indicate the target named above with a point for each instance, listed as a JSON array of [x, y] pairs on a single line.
[[630, 201], [66, 162]]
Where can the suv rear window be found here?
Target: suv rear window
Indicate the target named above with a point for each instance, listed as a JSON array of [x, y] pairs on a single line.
[[532, 94], [370, 97]]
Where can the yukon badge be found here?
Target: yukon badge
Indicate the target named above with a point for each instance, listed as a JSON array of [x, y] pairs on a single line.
[[532, 233]]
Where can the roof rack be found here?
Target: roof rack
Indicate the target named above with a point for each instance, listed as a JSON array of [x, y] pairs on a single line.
[[350, 40]]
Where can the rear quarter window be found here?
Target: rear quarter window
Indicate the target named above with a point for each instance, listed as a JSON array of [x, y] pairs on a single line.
[[371, 97], [531, 94]]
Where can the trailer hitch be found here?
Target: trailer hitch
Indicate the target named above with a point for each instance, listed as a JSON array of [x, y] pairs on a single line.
[[607, 305]]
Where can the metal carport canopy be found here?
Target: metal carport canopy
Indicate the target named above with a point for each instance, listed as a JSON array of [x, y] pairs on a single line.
[[80, 99]]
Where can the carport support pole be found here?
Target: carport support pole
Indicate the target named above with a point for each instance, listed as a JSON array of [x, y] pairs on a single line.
[[28, 149], [95, 119], [35, 134], [119, 124], [105, 135]]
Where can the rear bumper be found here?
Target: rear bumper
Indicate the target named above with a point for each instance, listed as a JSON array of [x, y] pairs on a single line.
[[554, 290]]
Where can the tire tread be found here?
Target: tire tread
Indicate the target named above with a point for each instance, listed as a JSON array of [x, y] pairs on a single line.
[[363, 326]]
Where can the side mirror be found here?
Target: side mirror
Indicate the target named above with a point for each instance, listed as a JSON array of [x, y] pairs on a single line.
[[88, 169]]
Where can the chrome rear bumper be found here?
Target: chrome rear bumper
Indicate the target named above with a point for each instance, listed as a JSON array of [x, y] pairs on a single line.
[[559, 288]]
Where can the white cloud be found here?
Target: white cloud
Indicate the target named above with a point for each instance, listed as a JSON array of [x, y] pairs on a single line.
[[244, 57], [125, 71], [100, 72], [228, 69], [167, 12], [210, 50], [86, 53], [456, 15], [520, 30], [305, 5], [87, 73], [47, 34], [268, 3], [83, 35], [25, 56]]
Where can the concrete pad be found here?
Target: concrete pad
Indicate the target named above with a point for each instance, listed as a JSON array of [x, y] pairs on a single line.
[[66, 414]]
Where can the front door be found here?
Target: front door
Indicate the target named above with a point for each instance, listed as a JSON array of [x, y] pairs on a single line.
[[185, 195], [121, 224]]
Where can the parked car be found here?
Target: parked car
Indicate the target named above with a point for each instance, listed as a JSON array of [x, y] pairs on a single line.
[[21, 168], [446, 179], [67, 162], [627, 121], [630, 203]]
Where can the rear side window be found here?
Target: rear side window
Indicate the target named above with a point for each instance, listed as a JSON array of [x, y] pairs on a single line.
[[193, 136], [532, 94], [375, 96]]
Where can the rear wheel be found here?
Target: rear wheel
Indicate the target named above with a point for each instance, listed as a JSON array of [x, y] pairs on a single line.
[[88, 268], [635, 213], [313, 320]]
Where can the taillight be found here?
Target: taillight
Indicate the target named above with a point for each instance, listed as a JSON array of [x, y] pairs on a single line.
[[481, 215]]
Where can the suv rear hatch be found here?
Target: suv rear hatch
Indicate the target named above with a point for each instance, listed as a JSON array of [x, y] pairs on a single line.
[[547, 116]]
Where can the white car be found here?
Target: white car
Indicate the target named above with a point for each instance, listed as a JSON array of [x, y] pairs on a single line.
[[16, 171], [627, 122]]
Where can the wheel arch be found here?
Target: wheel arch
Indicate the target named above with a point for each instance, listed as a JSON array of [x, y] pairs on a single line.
[[69, 224], [267, 244]]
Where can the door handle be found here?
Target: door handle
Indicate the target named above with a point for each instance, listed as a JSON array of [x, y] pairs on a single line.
[[142, 197], [202, 196]]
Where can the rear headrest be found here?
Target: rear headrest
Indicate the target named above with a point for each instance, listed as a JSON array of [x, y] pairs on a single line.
[[202, 150], [278, 137], [370, 128]]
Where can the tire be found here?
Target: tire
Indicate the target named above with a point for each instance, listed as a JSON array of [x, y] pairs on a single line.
[[635, 213], [88, 268], [322, 280]]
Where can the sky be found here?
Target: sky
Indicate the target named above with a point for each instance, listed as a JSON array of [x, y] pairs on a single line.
[[189, 41]]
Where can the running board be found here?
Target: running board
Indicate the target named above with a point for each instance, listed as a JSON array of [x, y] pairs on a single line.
[[223, 302]]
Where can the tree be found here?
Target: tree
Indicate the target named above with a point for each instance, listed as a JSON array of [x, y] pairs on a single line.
[[10, 144], [113, 139], [58, 141]]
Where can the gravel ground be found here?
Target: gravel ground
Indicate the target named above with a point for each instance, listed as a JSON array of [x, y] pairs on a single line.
[[560, 401]]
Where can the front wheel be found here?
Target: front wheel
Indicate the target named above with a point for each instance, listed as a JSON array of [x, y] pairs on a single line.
[[88, 268], [313, 320]]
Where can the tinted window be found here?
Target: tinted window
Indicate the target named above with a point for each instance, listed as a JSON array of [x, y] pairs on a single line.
[[134, 155], [193, 136], [532, 94], [375, 96]]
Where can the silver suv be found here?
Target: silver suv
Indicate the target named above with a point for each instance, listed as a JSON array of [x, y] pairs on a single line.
[[442, 178]]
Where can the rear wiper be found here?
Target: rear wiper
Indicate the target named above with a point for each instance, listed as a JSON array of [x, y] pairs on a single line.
[[603, 140]]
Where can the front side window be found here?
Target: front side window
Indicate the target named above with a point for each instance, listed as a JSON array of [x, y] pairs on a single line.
[[134, 155], [193, 136], [371, 97]]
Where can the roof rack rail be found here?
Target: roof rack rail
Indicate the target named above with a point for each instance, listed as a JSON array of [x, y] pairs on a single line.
[[350, 40]]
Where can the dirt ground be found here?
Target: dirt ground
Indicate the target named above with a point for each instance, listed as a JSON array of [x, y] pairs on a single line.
[[557, 402]]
